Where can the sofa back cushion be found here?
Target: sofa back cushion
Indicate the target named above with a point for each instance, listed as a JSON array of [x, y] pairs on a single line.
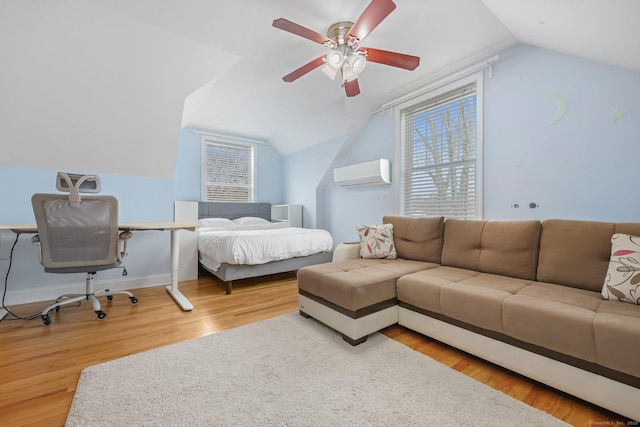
[[577, 253], [418, 239], [509, 248]]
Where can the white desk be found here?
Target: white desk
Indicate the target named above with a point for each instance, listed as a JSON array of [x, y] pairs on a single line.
[[174, 227]]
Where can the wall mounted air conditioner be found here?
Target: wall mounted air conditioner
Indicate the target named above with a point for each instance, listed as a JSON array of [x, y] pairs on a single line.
[[375, 172]]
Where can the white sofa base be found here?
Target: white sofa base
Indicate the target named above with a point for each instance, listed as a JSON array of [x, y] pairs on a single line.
[[612, 395], [352, 328]]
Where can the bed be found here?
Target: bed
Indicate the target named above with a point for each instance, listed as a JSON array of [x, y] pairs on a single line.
[[239, 241]]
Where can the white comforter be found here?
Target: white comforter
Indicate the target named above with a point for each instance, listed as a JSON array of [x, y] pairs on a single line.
[[251, 244]]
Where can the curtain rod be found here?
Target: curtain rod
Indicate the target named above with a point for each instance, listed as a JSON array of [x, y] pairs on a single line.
[[439, 83], [234, 138]]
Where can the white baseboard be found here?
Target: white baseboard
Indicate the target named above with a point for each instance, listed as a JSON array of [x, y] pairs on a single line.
[[52, 292]]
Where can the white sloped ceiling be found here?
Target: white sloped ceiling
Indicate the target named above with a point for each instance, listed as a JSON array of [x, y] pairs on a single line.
[[106, 85], [85, 89]]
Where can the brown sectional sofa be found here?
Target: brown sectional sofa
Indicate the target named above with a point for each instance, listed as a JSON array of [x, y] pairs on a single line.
[[521, 294]]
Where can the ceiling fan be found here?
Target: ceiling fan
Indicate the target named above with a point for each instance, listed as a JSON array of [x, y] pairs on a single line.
[[346, 56]]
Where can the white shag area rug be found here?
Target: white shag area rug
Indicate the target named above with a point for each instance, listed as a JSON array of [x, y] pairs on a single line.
[[289, 371]]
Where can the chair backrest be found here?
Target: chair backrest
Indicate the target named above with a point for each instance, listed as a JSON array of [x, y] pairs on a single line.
[[79, 236]]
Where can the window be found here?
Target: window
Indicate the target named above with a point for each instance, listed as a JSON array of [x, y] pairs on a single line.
[[227, 170], [440, 158]]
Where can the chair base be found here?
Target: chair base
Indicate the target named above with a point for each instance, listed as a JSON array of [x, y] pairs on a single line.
[[89, 295]]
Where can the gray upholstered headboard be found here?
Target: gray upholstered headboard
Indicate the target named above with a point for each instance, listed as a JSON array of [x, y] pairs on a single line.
[[232, 210]]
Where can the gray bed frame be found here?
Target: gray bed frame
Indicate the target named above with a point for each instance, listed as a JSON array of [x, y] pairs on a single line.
[[230, 272]]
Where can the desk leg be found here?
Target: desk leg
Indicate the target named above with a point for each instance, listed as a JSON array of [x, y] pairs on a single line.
[[173, 288]]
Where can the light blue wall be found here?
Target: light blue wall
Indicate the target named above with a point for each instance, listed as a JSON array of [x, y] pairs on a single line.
[[187, 183], [140, 199], [582, 167], [304, 176], [269, 187], [309, 180], [186, 178], [350, 206]]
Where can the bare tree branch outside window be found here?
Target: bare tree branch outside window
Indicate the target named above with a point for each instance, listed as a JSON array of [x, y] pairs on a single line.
[[440, 157]]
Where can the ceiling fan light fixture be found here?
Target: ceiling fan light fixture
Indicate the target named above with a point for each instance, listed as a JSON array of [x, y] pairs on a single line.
[[329, 71], [348, 74], [334, 59], [357, 62], [345, 56]]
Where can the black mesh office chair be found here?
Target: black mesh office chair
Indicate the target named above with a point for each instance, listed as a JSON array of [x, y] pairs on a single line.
[[79, 236]]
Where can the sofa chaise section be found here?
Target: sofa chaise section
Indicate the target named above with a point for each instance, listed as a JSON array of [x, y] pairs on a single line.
[[358, 296]]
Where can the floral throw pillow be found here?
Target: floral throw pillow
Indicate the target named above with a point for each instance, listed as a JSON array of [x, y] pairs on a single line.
[[623, 276], [376, 241]]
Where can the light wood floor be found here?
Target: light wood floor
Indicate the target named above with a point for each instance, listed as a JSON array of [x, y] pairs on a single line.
[[40, 365]]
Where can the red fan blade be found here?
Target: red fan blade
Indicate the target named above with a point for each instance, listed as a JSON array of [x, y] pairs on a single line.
[[352, 88], [370, 18], [304, 69], [301, 31], [400, 60]]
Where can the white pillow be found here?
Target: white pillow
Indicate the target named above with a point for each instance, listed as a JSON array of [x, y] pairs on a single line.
[[622, 282], [216, 223], [376, 241], [251, 220]]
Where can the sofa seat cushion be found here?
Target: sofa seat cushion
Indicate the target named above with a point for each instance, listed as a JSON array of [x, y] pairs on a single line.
[[555, 317], [617, 336], [564, 294], [357, 283], [466, 295]]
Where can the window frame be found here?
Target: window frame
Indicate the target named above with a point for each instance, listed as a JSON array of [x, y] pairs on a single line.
[[432, 93], [206, 140]]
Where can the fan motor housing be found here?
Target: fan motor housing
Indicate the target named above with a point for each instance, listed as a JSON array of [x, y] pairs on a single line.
[[338, 31]]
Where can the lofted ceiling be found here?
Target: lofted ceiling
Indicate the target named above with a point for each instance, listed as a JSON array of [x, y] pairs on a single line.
[[218, 65], [251, 99]]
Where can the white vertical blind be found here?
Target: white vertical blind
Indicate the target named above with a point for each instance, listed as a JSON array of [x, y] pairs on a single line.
[[439, 153], [227, 172]]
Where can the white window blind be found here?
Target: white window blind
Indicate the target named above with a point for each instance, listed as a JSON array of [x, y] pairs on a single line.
[[439, 156], [227, 171]]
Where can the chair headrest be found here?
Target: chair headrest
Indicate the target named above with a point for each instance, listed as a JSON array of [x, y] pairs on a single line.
[[75, 184]]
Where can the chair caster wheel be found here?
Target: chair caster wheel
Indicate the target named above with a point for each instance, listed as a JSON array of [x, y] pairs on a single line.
[[101, 314], [46, 319], [134, 300], [57, 308], [109, 297]]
